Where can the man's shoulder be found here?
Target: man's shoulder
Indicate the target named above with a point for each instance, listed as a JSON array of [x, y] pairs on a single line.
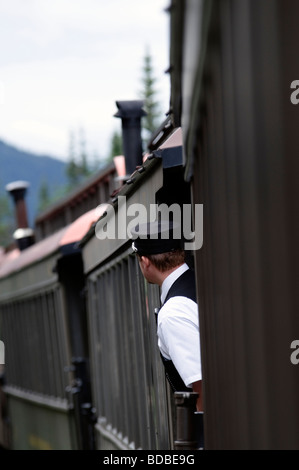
[[177, 310], [184, 286]]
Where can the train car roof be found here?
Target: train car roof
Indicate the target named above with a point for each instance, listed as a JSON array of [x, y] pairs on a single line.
[[16, 260]]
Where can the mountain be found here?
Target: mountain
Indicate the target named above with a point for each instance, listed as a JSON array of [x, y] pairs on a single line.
[[16, 164]]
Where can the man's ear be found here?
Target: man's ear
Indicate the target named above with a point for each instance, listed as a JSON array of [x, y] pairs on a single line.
[[146, 262]]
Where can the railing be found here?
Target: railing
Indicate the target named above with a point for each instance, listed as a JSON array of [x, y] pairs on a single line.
[[129, 389], [34, 332]]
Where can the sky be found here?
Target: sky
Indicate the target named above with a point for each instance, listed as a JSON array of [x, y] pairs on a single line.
[[65, 63]]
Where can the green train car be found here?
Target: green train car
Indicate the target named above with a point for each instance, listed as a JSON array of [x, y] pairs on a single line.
[[42, 354], [82, 369]]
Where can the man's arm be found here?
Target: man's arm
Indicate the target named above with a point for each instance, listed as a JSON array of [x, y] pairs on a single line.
[[197, 387]]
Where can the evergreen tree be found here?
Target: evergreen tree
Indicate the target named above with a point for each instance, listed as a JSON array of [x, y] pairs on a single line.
[[44, 196], [116, 145], [77, 168], [97, 161], [6, 222], [72, 170], [152, 120], [83, 168]]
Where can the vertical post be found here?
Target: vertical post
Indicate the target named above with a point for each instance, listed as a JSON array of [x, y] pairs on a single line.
[[189, 431]]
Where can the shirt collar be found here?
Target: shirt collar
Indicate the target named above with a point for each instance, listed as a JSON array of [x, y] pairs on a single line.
[[169, 280]]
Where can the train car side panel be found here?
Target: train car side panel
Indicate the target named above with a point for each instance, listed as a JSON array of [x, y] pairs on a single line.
[[241, 157]]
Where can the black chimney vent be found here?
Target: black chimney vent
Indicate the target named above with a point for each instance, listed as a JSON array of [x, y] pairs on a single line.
[[131, 113], [23, 235]]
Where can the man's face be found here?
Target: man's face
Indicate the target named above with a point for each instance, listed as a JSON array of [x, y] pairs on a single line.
[[146, 269], [142, 265]]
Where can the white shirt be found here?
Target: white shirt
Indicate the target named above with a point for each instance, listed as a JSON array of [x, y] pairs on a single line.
[[178, 331]]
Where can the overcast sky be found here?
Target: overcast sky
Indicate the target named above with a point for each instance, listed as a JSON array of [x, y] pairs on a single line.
[[64, 63]]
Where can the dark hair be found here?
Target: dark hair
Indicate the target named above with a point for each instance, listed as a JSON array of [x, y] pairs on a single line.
[[168, 260]]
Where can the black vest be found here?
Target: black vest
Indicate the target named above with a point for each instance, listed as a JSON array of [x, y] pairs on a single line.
[[183, 286]]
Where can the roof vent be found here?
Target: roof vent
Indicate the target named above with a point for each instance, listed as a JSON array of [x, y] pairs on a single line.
[[131, 113], [24, 235]]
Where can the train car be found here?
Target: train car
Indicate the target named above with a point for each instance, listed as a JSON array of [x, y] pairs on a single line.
[[135, 409], [84, 371], [234, 73], [45, 393], [42, 325], [82, 368]]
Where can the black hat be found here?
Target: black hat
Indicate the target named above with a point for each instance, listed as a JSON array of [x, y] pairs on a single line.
[[156, 237]]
